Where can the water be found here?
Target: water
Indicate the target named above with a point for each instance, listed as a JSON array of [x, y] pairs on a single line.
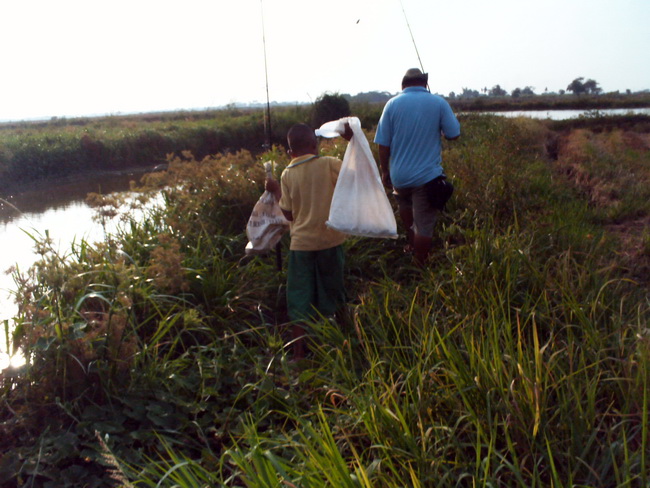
[[58, 209], [572, 114]]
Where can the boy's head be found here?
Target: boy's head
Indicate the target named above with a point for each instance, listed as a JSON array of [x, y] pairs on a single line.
[[302, 140]]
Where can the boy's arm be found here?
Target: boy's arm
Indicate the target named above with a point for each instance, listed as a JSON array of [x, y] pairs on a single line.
[[274, 187], [347, 135]]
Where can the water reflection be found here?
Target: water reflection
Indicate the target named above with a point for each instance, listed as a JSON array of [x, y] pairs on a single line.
[[57, 209], [62, 193]]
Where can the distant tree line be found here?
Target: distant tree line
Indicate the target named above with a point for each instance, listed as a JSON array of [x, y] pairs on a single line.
[[331, 104], [369, 97], [578, 87]]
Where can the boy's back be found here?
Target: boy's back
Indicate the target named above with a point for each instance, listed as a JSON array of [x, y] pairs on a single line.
[[307, 188]]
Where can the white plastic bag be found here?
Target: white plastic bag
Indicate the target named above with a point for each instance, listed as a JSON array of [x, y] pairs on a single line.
[[267, 223], [360, 206]]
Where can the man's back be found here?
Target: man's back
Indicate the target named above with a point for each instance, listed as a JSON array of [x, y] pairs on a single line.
[[411, 125]]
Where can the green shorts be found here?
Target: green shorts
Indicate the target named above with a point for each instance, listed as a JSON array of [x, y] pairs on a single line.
[[315, 283]]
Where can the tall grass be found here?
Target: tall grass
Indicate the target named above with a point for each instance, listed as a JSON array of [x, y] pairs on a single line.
[[519, 357]]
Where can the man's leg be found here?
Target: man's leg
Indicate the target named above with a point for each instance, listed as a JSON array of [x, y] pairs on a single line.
[[421, 248], [406, 214], [405, 207], [424, 217]]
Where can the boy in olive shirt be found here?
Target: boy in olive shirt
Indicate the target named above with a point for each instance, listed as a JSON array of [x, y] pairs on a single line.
[[315, 273]]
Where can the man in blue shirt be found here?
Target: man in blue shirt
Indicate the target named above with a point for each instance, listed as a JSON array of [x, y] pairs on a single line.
[[409, 137]]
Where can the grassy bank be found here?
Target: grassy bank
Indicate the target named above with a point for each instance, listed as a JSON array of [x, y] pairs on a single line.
[[34, 151], [519, 357], [552, 102]]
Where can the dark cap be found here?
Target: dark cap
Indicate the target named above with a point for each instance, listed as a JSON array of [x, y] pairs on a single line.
[[415, 75]]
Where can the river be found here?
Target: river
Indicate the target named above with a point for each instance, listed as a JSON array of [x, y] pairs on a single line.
[[59, 209]]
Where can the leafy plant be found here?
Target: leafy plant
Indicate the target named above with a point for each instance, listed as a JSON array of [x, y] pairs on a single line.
[[519, 357]]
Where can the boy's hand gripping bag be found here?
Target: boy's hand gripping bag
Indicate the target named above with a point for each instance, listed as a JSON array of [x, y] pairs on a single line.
[[360, 206], [267, 223]]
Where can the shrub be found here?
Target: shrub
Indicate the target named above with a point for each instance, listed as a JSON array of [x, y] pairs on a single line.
[[329, 107]]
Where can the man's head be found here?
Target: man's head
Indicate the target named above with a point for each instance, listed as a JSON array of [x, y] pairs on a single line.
[[415, 77], [302, 140]]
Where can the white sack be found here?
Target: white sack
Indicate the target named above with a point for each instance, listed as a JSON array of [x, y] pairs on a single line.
[[267, 223], [360, 206]]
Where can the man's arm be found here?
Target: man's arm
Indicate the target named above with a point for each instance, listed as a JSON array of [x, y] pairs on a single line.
[[449, 123], [384, 163]]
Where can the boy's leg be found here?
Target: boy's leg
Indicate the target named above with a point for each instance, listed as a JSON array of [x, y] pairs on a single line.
[[301, 284], [298, 341], [300, 295], [330, 291]]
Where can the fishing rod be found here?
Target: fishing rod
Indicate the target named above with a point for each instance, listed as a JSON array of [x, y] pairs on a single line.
[[413, 39], [267, 118], [267, 124], [411, 33], [2, 200]]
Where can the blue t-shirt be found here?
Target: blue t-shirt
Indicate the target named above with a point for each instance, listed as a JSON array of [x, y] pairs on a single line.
[[411, 125]]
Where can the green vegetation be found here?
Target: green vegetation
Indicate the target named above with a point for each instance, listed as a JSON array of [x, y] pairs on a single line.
[[329, 106], [579, 86], [519, 357], [36, 151], [520, 101]]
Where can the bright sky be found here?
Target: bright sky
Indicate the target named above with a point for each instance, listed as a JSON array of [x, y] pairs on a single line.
[[81, 57]]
